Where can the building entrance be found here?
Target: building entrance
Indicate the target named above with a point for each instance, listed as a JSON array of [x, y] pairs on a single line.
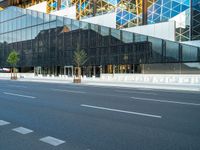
[[68, 70]]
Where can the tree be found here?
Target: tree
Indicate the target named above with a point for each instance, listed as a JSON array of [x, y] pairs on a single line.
[[79, 58], [13, 59]]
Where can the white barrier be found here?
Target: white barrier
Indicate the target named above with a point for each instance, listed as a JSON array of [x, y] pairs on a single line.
[[153, 78], [19, 75], [126, 78]]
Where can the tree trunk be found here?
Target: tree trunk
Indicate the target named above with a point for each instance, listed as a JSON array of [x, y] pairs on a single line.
[[77, 79], [14, 71], [79, 72], [11, 69]]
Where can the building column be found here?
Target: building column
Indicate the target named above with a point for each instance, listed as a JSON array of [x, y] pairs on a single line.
[[55, 70], [94, 71], [58, 4], [101, 71], [144, 12], [113, 70], [64, 70], [72, 71]]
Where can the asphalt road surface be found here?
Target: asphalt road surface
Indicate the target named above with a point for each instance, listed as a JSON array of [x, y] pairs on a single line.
[[44, 116]]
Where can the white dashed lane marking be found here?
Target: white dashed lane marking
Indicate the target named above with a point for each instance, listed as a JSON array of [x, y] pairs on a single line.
[[121, 111], [17, 86], [135, 92], [2, 123], [165, 101], [14, 94], [52, 141], [49, 140], [69, 91], [22, 130]]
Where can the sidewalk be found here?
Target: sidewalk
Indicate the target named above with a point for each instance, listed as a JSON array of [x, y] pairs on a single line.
[[110, 83]]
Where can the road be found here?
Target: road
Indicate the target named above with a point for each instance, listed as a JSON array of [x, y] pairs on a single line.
[[46, 116]]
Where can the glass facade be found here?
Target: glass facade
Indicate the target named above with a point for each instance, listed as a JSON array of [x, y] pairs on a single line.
[[49, 41], [23, 3], [195, 21], [166, 10], [130, 13], [54, 5]]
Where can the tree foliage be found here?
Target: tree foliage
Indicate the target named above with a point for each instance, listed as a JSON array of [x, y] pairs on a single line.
[[13, 58], [80, 57]]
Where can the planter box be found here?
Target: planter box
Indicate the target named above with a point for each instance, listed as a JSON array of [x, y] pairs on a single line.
[[13, 78], [77, 80]]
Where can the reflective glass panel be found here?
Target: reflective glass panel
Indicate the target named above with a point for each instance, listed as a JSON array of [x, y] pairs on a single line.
[[75, 25], [172, 51], [189, 53], [127, 37]]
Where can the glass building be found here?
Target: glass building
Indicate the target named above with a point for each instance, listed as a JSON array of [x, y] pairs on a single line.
[[130, 13], [46, 44]]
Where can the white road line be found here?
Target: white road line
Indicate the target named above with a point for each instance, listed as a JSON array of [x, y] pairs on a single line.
[[18, 86], [14, 94], [22, 130], [135, 92], [52, 141], [121, 111], [70, 91], [2, 123], [165, 101], [145, 89]]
